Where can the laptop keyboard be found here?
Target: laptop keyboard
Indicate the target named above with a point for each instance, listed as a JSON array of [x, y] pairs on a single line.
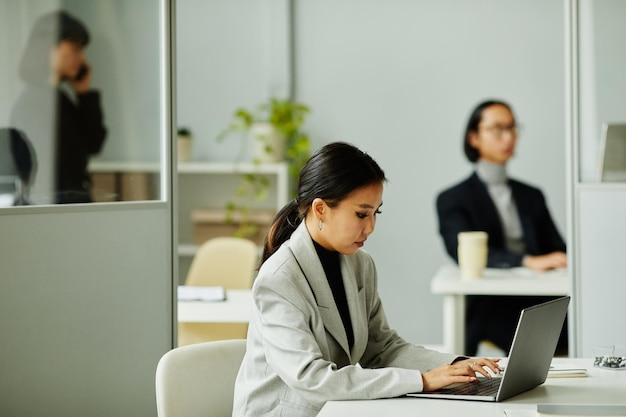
[[482, 387]]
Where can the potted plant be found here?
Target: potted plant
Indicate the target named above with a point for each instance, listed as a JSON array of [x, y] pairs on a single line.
[[274, 127], [275, 130], [183, 143]]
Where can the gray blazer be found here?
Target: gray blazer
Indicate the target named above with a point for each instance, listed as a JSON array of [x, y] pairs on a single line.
[[297, 354]]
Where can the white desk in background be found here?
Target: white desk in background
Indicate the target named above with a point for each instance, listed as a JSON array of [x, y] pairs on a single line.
[[235, 309], [602, 386], [517, 281]]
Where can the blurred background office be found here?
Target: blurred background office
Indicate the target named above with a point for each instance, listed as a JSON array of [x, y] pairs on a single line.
[[396, 78]]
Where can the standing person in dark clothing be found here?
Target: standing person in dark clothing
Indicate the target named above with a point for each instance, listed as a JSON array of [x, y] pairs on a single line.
[[58, 110]]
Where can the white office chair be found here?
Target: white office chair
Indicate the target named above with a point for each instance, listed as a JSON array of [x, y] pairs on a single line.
[[199, 380], [227, 262]]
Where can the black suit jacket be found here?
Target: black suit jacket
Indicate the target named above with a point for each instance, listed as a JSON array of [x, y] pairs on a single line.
[[65, 135], [467, 206]]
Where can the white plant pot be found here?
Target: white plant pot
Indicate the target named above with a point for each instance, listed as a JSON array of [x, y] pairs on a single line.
[[183, 149], [268, 144]]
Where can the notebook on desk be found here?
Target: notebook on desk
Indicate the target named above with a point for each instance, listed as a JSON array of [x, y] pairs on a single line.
[[528, 362], [201, 293]]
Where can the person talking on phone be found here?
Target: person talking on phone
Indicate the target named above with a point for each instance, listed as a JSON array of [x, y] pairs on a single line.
[[58, 110]]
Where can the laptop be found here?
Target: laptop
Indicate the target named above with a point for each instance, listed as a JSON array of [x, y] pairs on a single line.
[[529, 359]]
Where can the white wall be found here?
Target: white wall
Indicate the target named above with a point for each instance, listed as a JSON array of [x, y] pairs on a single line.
[[229, 55], [602, 80]]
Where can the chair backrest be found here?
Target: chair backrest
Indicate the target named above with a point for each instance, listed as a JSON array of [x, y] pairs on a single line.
[[227, 262], [199, 380], [17, 165]]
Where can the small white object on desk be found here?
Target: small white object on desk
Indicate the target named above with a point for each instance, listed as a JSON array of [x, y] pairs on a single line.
[[567, 370], [558, 369], [610, 357], [472, 254], [234, 309], [197, 293]]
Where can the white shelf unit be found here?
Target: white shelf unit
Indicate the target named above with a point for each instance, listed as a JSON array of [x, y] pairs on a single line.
[[208, 193], [211, 185], [125, 167], [207, 185]]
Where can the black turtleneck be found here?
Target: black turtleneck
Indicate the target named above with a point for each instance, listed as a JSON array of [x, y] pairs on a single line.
[[332, 269]]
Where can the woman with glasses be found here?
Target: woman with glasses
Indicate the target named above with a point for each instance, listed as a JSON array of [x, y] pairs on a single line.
[[514, 215]]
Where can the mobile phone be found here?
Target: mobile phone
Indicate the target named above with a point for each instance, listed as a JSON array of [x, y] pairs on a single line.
[[82, 72]]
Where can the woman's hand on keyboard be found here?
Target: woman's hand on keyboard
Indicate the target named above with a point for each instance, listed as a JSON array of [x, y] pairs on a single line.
[[460, 371]]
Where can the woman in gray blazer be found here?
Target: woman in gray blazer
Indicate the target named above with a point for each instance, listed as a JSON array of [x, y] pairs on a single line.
[[318, 331]]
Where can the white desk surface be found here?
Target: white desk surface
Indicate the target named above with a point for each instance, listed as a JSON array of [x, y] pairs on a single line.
[[235, 309], [516, 281], [602, 386]]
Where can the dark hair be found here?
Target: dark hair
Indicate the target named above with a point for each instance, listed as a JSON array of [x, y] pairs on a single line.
[[49, 30], [331, 173], [472, 126]]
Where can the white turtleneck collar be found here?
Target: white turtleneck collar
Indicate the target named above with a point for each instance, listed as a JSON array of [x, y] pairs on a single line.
[[491, 173]]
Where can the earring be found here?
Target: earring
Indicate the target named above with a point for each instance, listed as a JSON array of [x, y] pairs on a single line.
[[320, 224]]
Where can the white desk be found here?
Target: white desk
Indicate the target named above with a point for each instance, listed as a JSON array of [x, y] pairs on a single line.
[[235, 309], [600, 387], [516, 281]]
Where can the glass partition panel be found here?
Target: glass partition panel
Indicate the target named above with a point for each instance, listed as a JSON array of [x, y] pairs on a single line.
[[602, 90], [81, 99]]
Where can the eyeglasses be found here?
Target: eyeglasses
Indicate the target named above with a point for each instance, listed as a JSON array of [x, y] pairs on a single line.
[[498, 131]]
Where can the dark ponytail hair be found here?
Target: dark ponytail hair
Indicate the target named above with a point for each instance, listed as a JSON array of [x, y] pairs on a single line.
[[476, 117], [331, 173]]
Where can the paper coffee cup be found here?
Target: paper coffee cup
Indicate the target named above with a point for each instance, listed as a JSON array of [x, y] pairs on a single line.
[[472, 254]]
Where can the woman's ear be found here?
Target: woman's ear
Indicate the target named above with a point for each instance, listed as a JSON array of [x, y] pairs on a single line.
[[473, 139], [318, 207]]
